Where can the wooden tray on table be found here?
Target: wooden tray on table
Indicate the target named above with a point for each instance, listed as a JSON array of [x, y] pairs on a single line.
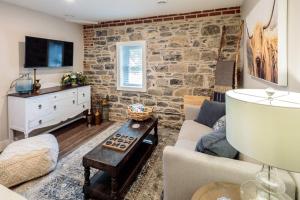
[[119, 142]]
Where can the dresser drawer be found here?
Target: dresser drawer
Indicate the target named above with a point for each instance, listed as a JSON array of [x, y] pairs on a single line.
[[84, 106], [84, 94], [66, 105], [57, 96], [41, 122], [38, 108], [63, 106]]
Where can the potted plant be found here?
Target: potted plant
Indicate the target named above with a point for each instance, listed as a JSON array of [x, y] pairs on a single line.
[[66, 79], [81, 79], [73, 79]]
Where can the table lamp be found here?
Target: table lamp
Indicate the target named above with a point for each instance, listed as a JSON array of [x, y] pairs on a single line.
[[264, 125]]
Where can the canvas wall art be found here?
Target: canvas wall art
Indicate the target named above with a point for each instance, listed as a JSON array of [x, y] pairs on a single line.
[[266, 27]]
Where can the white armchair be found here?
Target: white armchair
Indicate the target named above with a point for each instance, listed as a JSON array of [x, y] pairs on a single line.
[[185, 170]]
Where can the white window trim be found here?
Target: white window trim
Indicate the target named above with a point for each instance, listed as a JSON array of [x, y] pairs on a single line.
[[132, 43]]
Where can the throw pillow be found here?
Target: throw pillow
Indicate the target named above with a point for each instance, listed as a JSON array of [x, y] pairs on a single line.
[[210, 112], [216, 144], [220, 125]]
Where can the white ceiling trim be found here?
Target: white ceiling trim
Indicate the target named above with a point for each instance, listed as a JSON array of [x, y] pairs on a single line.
[[91, 11]]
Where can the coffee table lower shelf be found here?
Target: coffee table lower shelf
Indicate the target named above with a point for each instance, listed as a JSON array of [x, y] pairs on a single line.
[[100, 183]]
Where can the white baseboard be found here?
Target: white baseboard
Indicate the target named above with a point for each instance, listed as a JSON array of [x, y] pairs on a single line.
[[3, 144]]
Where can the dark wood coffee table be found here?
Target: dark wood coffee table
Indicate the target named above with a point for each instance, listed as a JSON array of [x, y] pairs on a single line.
[[117, 170]]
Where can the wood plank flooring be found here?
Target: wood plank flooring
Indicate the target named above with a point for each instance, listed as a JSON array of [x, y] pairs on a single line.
[[75, 134]]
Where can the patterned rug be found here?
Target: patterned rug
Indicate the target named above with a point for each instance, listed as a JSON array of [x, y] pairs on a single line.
[[65, 183]]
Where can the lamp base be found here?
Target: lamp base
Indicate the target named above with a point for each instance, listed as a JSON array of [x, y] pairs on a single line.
[[267, 186]]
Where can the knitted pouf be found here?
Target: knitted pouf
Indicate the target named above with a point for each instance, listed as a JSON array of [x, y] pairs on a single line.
[[27, 159]]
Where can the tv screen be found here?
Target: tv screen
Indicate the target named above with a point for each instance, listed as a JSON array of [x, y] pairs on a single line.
[[40, 52]]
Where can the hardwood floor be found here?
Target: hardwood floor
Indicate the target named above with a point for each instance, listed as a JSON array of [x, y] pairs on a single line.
[[73, 135]]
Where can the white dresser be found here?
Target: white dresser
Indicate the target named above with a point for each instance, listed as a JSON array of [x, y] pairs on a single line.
[[29, 112]]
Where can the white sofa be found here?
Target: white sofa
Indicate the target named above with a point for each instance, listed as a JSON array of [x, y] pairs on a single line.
[[185, 170]]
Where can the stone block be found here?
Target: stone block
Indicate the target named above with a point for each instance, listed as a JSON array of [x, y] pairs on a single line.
[[191, 55], [162, 104], [208, 55], [136, 36], [101, 33], [210, 30], [181, 92], [193, 80], [109, 66], [161, 68], [167, 91], [176, 82], [155, 92], [178, 68], [178, 41], [126, 100], [162, 82], [113, 38]]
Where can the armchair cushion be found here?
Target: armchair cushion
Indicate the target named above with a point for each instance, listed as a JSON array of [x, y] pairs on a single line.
[[210, 112]]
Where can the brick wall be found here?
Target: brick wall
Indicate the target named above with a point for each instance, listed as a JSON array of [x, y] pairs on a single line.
[[171, 17], [181, 58]]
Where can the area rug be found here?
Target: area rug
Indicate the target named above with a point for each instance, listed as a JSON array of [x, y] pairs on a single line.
[[65, 183]]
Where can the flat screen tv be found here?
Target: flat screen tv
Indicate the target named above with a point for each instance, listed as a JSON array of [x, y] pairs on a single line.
[[40, 52]]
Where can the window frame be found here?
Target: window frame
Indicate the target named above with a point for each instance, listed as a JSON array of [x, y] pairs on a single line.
[[143, 44]]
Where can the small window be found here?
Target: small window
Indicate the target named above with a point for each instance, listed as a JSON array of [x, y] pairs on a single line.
[[131, 58]]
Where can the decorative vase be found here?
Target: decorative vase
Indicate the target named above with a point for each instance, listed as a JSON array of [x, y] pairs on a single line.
[[97, 116], [89, 118], [105, 108], [24, 84], [37, 85]]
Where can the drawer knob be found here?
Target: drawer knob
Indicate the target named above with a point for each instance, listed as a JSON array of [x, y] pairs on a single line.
[[40, 106], [54, 97], [54, 107], [40, 122], [83, 94], [73, 101], [83, 106]]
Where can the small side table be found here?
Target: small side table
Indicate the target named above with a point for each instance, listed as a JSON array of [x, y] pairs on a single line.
[[218, 191]]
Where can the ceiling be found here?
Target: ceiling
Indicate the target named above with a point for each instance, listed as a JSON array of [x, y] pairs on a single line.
[[105, 10]]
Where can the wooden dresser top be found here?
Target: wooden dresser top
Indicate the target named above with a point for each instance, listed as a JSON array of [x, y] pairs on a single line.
[[44, 91]]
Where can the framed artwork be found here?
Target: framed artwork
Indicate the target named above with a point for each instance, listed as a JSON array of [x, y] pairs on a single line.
[[266, 44]]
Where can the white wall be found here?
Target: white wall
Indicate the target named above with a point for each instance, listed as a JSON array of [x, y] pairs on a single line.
[[15, 23], [293, 49]]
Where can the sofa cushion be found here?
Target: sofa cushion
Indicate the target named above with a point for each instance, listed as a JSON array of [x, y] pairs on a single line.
[[210, 112], [220, 125], [216, 144], [190, 133]]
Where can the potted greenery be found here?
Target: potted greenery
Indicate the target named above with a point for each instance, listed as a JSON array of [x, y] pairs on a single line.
[[81, 79], [73, 79]]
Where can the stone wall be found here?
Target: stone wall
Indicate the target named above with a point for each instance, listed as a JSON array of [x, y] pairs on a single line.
[[181, 59]]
